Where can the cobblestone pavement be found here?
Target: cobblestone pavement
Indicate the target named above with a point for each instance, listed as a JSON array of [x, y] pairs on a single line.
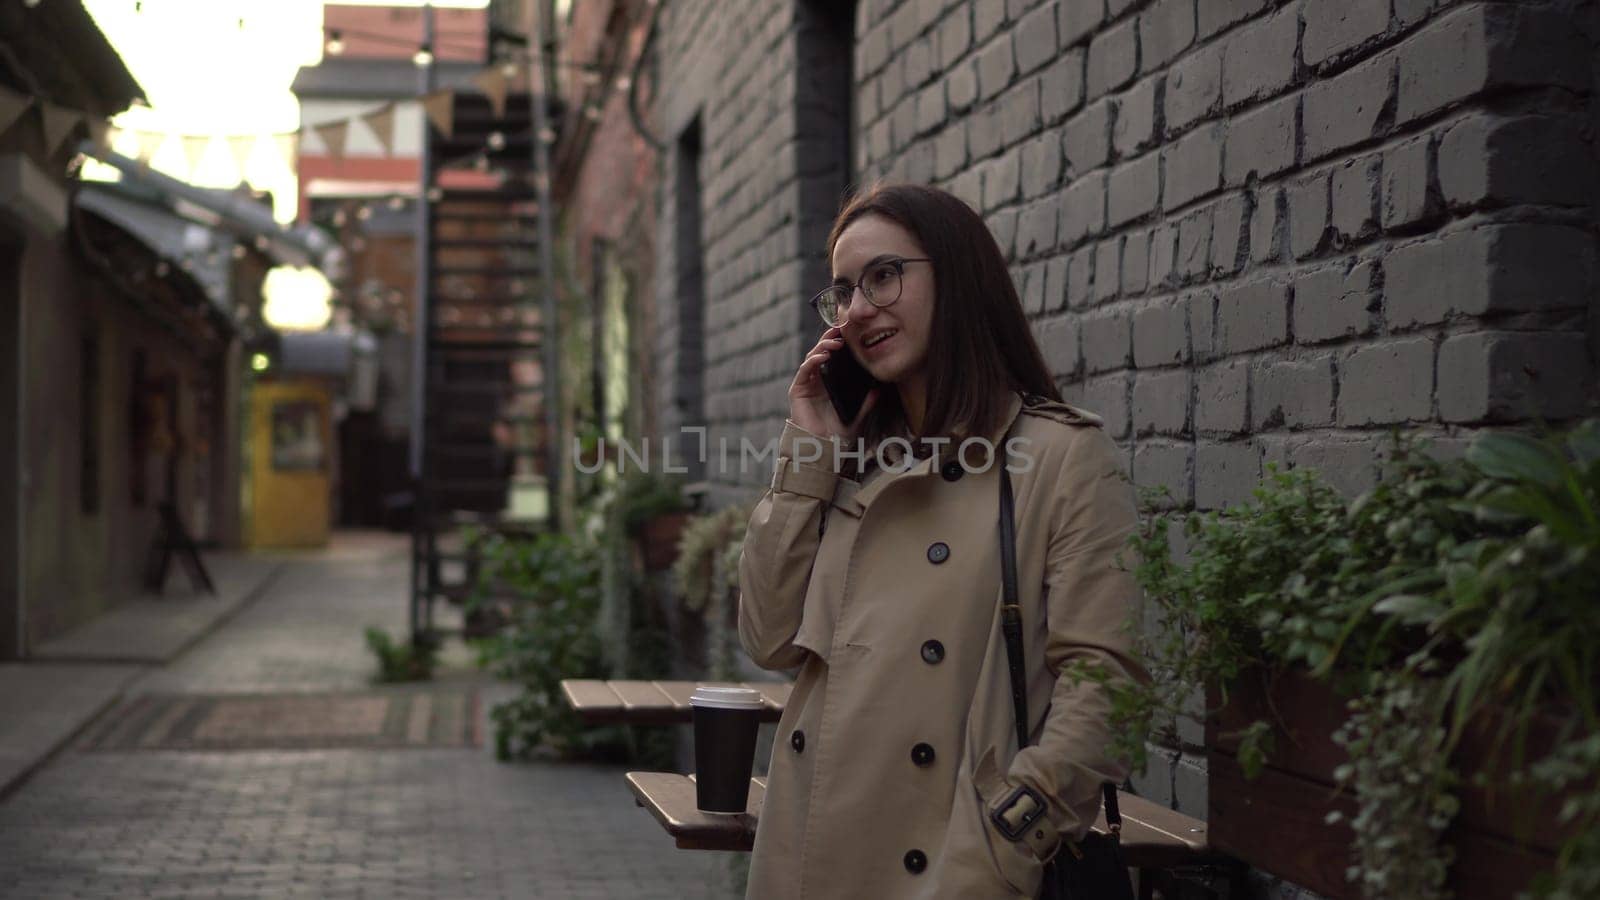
[[330, 823]]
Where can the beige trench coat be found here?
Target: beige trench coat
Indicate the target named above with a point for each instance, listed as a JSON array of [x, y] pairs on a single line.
[[899, 736]]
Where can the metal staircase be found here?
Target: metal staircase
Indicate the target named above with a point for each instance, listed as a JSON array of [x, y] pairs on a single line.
[[480, 351]]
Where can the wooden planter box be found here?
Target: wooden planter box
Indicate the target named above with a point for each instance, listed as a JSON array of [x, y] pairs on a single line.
[[1275, 822]]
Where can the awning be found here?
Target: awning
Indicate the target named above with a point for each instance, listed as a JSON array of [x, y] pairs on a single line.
[[200, 251], [296, 245], [326, 353]]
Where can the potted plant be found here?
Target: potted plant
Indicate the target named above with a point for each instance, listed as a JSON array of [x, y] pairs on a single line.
[[1402, 686], [654, 511]]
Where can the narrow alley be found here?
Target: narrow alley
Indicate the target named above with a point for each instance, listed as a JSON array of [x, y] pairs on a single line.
[[262, 762]]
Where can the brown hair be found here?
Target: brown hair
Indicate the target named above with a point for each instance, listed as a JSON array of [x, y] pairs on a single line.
[[981, 346]]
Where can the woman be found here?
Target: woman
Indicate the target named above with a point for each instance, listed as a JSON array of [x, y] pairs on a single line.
[[899, 739]]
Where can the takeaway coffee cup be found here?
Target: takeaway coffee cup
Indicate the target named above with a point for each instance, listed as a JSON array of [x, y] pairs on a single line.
[[725, 723]]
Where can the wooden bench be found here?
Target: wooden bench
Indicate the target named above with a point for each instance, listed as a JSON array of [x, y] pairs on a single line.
[[656, 702], [670, 798], [1153, 837]]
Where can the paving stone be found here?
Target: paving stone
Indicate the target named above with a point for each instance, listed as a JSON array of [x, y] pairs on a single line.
[[331, 823]]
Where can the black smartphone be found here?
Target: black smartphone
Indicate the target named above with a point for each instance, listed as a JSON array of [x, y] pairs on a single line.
[[847, 382]]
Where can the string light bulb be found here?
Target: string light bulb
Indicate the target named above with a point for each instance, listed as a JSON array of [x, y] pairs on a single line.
[[497, 140], [424, 55], [335, 42]]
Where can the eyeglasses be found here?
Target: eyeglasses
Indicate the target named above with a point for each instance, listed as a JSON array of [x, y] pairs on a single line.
[[880, 284]]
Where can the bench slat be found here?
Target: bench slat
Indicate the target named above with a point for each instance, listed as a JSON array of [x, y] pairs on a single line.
[[641, 695], [624, 702], [593, 701], [1152, 836], [1156, 837], [679, 692], [669, 797]]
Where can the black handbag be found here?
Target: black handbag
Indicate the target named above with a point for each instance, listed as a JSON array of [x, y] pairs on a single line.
[[1091, 868]]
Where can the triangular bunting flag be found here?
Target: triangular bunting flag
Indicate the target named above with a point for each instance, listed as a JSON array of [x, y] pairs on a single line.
[[241, 146], [59, 123], [289, 149], [382, 125], [493, 84], [440, 107], [149, 144], [332, 135], [12, 106], [194, 150]]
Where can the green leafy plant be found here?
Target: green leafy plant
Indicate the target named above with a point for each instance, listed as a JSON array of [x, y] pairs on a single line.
[[1452, 597], [402, 660], [706, 575], [551, 636], [642, 496]]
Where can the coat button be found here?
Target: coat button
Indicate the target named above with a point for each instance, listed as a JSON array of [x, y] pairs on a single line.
[[916, 861], [922, 754], [952, 471], [938, 552], [798, 741], [932, 652]]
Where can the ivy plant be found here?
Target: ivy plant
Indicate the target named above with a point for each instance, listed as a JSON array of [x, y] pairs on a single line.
[[1456, 596], [706, 575]]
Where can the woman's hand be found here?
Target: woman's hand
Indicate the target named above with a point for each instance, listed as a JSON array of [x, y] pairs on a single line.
[[809, 404]]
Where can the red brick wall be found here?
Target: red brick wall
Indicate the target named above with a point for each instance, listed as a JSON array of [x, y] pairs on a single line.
[[395, 31]]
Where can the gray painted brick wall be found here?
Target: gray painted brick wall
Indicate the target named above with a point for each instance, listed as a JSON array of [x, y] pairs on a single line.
[[1249, 231]]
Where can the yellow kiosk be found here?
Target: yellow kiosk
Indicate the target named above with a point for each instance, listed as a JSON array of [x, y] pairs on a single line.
[[291, 460]]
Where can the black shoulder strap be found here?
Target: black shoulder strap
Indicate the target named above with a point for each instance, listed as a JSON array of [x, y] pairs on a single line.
[[1011, 628], [1010, 610]]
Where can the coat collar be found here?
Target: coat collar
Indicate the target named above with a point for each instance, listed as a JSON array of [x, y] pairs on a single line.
[[893, 454]]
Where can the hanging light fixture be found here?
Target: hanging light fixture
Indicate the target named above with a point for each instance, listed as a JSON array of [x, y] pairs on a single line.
[[424, 55], [335, 42]]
